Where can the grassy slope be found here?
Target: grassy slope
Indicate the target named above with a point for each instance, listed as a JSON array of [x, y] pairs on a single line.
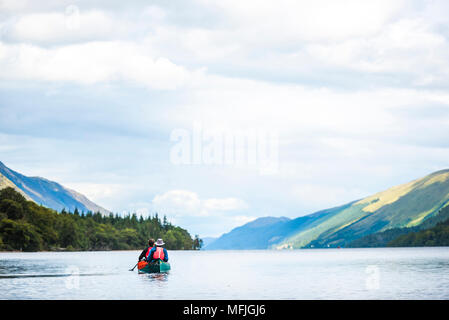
[[406, 205], [437, 235], [382, 239], [5, 183]]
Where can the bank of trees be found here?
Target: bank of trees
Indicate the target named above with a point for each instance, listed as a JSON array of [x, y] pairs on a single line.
[[26, 226], [434, 231], [435, 236]]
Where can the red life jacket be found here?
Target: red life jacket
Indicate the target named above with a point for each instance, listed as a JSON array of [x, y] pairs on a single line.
[[148, 252], [159, 253]]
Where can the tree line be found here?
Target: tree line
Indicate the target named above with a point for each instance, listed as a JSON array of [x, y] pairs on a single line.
[[437, 236], [434, 231], [27, 226]]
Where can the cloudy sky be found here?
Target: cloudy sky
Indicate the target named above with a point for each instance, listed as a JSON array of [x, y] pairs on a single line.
[[348, 97]]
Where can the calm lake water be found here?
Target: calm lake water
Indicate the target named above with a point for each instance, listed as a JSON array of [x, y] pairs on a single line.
[[399, 273]]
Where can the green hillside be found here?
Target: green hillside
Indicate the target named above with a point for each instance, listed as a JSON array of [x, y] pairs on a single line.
[[403, 206], [435, 236], [385, 238]]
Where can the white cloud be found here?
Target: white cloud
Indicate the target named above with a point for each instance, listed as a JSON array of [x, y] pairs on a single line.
[[271, 38], [309, 20], [185, 203], [408, 45], [61, 27], [97, 192], [226, 204], [321, 41], [13, 5], [90, 63], [72, 23], [179, 201]]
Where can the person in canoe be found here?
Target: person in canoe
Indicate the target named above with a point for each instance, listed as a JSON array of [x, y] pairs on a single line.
[[146, 251], [158, 252]]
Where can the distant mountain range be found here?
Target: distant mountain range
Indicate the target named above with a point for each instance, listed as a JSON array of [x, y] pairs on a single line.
[[207, 241], [47, 193], [257, 234], [404, 206]]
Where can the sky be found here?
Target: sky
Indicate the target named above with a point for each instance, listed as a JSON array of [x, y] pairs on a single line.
[[215, 113]]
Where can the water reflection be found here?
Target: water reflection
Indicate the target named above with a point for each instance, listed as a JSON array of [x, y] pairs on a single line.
[[52, 275], [30, 267], [158, 277]]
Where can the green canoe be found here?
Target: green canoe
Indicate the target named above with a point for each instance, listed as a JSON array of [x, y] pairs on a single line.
[[157, 266]]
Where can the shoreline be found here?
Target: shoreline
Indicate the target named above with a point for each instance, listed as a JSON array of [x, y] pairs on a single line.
[[304, 249], [49, 251]]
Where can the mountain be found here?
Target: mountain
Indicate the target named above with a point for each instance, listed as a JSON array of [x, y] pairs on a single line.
[[263, 233], [404, 206], [257, 234], [48, 193], [207, 241]]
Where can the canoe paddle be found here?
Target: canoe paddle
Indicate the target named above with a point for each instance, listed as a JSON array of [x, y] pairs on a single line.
[[134, 267]]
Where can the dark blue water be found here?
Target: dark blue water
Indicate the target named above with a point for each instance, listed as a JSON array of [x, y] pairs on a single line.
[[396, 273]]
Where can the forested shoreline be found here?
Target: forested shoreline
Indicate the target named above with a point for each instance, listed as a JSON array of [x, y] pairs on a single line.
[[437, 236], [433, 232], [27, 226]]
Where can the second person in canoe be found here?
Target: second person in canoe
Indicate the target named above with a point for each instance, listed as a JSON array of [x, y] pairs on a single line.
[[158, 252], [146, 252]]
